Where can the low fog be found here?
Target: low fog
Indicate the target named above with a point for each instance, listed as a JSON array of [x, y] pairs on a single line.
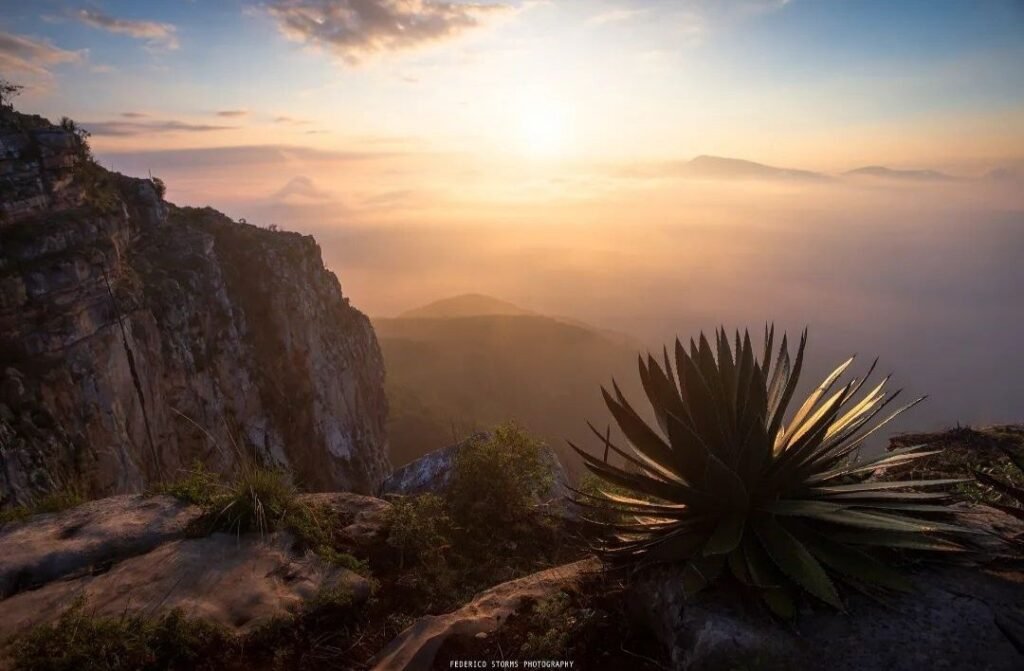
[[926, 275]]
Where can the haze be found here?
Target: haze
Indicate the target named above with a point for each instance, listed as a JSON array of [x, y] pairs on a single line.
[[543, 153]]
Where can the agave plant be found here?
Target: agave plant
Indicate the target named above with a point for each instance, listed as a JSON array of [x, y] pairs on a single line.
[[724, 485]]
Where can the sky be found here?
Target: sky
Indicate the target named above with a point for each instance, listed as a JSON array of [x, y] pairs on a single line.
[[542, 151], [819, 84]]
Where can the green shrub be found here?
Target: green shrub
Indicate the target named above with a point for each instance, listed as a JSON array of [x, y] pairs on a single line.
[[419, 528], [496, 481], [78, 641], [721, 485], [552, 622]]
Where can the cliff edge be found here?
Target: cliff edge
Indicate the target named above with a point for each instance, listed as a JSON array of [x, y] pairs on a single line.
[[137, 338]]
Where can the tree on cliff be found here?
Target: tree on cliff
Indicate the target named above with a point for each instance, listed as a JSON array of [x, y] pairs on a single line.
[[8, 90]]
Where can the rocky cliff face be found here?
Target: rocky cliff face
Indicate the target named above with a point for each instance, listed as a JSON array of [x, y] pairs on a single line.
[[137, 337]]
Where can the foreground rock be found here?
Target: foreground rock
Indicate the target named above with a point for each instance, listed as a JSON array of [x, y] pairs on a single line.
[[416, 647], [138, 337], [93, 535], [236, 582], [950, 622]]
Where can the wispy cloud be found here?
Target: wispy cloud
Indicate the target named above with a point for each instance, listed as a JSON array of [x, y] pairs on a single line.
[[291, 121], [19, 53], [232, 114], [133, 128], [156, 34], [615, 16], [356, 29], [134, 115]]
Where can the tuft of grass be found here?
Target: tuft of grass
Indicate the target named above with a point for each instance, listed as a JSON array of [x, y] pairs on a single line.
[[199, 486], [77, 641], [553, 622], [259, 499], [53, 502]]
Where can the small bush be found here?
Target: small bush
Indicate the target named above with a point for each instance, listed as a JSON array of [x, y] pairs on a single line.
[[419, 529], [498, 480], [78, 641]]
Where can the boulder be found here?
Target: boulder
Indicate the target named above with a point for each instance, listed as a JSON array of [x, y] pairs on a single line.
[[416, 647], [364, 517], [948, 622], [83, 539]]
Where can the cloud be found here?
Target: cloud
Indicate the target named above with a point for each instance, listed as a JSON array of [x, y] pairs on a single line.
[[136, 162], [232, 113], [356, 29], [134, 115], [133, 128], [19, 53], [291, 120], [615, 16], [156, 35]]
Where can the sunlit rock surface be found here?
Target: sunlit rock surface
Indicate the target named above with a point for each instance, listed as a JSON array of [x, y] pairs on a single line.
[[137, 338]]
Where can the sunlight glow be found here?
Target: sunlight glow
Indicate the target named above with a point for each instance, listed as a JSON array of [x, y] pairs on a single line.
[[543, 130]]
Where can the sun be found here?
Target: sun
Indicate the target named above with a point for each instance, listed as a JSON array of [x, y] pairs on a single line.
[[543, 130]]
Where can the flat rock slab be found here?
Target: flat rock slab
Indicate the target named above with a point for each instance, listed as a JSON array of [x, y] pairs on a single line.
[[416, 647], [949, 622], [47, 547], [233, 581]]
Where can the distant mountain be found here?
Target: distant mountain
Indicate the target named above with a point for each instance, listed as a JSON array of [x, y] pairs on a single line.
[[465, 305], [449, 376], [883, 172], [717, 167], [1004, 175]]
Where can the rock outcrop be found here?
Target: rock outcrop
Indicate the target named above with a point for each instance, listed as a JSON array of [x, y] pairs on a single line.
[[953, 620], [416, 647], [130, 554], [137, 338]]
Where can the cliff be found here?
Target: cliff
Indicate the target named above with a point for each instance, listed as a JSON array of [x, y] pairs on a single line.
[[137, 338]]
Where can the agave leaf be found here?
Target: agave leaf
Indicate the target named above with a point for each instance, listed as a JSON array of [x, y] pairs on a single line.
[[727, 535], [646, 442], [643, 484], [865, 498], [855, 564], [895, 540], [794, 560], [780, 601], [812, 400], [776, 431], [879, 485], [898, 456], [803, 507], [884, 522]]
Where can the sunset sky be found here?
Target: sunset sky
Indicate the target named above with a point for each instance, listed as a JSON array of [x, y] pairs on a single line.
[[827, 85], [538, 151]]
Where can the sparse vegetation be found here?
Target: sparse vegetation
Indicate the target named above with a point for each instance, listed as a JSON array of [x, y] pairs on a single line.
[[199, 486], [724, 487], [8, 91], [1011, 494], [53, 502], [79, 641]]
